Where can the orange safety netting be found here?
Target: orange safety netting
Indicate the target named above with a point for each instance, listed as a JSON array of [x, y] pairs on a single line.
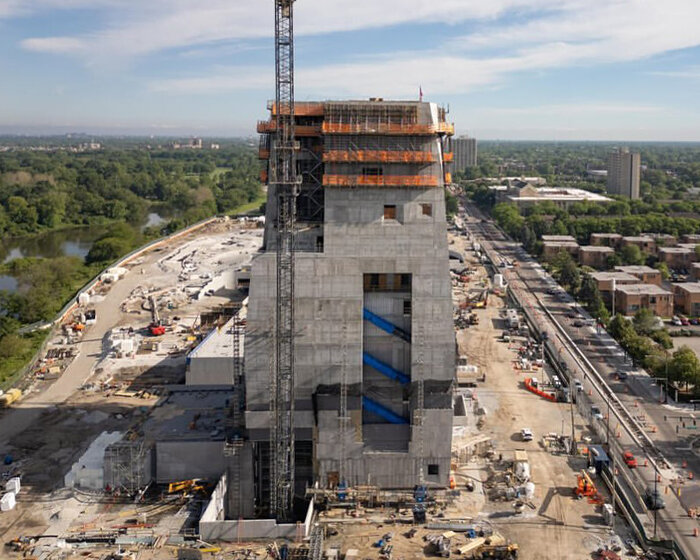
[[380, 180], [384, 156], [387, 128], [303, 109]]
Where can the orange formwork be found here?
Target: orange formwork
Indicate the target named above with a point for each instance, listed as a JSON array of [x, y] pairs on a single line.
[[302, 109], [388, 128], [263, 153], [449, 157], [383, 156], [380, 181], [267, 127]]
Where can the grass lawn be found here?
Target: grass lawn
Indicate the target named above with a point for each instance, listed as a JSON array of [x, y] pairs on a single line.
[[11, 368], [251, 206]]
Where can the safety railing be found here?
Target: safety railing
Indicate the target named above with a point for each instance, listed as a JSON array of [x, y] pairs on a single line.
[[379, 156], [387, 128], [268, 127], [380, 181]]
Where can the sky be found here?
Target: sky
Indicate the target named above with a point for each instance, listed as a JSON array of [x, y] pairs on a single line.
[[507, 69]]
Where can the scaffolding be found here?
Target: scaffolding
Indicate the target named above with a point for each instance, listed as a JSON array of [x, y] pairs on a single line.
[[381, 181], [127, 470]]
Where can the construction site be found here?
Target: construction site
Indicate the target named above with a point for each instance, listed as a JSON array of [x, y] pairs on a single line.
[[346, 377]]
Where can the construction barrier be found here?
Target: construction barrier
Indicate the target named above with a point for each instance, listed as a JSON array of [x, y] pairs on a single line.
[[530, 387]]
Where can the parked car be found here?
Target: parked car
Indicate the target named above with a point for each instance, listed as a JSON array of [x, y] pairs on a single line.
[[684, 321], [676, 321], [653, 499], [579, 385], [621, 375], [695, 321], [579, 324], [596, 413], [629, 459], [526, 434]]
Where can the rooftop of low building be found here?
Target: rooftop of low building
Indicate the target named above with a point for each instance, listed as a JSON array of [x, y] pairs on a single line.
[[642, 289]]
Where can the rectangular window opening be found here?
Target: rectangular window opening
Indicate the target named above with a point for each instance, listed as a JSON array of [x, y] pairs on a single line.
[[407, 307], [372, 171], [389, 211], [426, 209], [433, 469]]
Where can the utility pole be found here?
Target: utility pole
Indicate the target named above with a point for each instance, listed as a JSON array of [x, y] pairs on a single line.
[[283, 178]]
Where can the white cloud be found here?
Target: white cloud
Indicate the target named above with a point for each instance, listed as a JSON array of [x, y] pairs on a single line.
[[691, 73], [536, 35], [144, 27], [58, 45]]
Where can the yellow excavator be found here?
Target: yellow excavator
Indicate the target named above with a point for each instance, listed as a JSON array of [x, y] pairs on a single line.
[[187, 486]]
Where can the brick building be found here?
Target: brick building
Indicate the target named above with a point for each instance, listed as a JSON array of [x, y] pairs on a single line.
[[595, 256], [644, 273], [632, 297]]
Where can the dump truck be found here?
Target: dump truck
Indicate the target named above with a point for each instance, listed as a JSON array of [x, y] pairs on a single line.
[[12, 396]]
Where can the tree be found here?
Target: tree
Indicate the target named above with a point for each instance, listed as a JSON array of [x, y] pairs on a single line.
[[107, 249], [644, 321], [621, 329], [591, 298], [662, 267], [611, 261], [632, 255], [685, 366], [12, 345], [528, 238], [569, 275], [451, 204]]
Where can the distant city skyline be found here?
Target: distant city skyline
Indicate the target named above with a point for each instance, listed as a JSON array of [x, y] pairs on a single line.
[[611, 70]]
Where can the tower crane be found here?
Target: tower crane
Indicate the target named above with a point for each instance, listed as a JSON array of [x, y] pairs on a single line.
[[283, 179]]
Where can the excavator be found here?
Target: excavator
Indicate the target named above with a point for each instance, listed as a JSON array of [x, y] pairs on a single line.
[[156, 328], [187, 486]]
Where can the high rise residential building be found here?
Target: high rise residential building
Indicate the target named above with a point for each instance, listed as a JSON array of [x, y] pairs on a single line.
[[623, 173], [374, 340], [465, 151]]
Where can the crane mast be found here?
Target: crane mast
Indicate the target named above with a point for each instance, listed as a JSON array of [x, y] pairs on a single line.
[[284, 180]]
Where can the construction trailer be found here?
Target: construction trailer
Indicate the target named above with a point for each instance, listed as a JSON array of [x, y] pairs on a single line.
[[373, 366]]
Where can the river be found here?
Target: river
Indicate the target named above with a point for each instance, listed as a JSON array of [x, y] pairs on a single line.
[[73, 242]]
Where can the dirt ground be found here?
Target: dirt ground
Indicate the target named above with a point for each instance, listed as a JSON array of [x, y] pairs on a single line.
[[570, 528]]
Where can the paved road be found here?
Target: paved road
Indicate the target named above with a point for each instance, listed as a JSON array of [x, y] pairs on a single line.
[[18, 418], [637, 394]]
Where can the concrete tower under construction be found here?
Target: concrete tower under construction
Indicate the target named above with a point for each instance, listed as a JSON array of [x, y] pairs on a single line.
[[374, 341]]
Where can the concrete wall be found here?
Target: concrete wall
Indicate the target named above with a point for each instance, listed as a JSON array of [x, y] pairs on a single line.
[[213, 527], [330, 298], [182, 460], [209, 370]]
